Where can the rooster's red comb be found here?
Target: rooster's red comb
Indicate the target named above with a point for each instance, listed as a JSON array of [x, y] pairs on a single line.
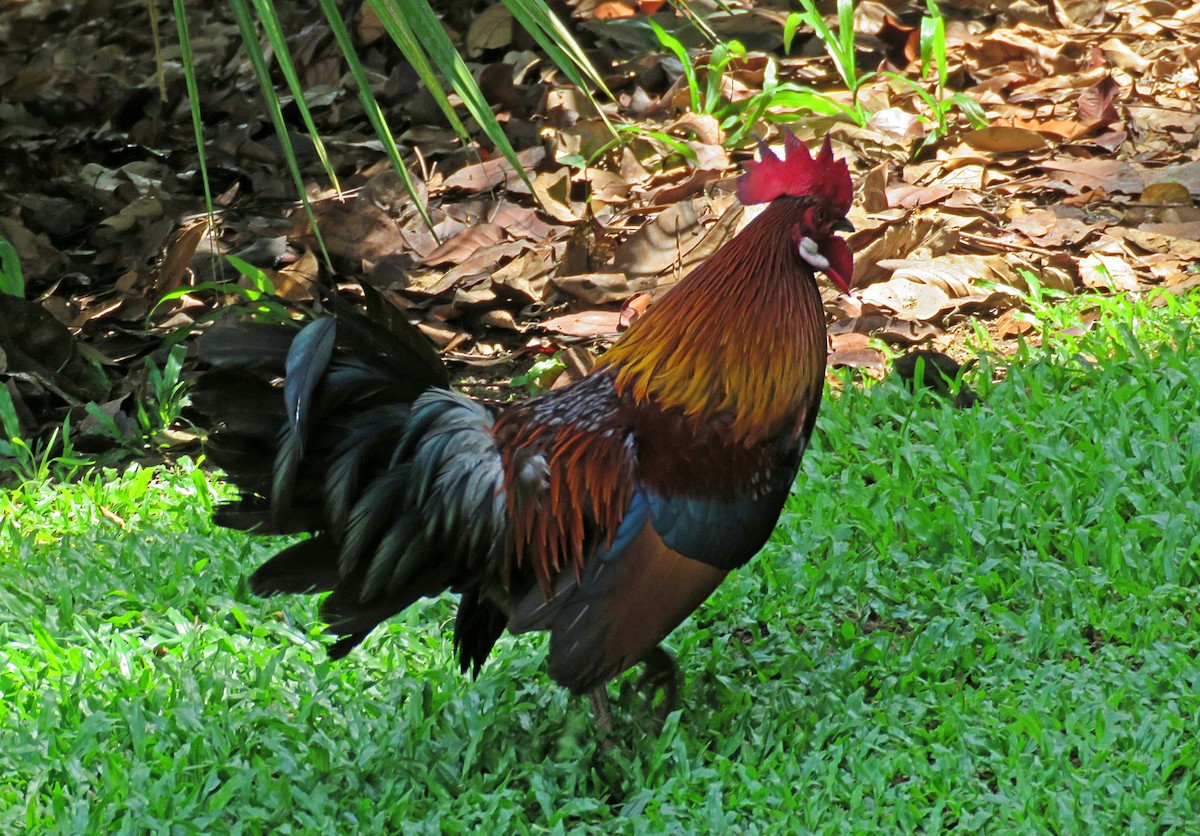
[[797, 175]]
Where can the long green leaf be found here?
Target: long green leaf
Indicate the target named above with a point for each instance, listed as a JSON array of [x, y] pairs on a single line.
[[241, 13], [845, 9], [423, 32], [189, 74], [536, 18], [689, 69], [406, 41], [274, 32], [371, 106], [12, 280]]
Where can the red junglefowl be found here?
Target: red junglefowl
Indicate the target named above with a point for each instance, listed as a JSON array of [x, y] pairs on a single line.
[[604, 512]]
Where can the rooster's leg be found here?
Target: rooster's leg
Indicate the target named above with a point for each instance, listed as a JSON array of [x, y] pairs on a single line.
[[598, 696], [661, 675]]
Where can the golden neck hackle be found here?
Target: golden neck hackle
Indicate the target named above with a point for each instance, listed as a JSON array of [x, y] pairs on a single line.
[[741, 338]]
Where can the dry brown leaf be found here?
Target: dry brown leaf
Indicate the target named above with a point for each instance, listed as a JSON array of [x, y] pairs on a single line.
[[703, 126], [492, 29], [1189, 230], [1096, 102], [1118, 54], [525, 276], [489, 174], [1010, 325], [710, 157], [661, 243], [353, 230], [1157, 242], [1051, 229], [1107, 271], [602, 288], [896, 239], [848, 340], [685, 183], [1167, 194], [606, 188], [907, 196], [956, 274], [585, 324], [553, 192], [902, 125], [179, 254], [477, 268], [870, 359], [1005, 140], [874, 195], [500, 318], [634, 307], [907, 299], [294, 282], [464, 245], [1084, 175], [1186, 174], [369, 28], [522, 221], [890, 329]]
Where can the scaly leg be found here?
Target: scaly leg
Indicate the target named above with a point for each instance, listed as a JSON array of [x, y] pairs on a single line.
[[598, 696]]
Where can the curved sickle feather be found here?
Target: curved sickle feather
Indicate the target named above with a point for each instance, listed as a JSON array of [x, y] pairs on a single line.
[[307, 361]]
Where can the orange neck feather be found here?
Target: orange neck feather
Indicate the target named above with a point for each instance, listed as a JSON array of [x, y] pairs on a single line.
[[741, 338]]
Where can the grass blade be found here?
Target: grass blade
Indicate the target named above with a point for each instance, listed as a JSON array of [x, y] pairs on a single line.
[[274, 32], [188, 59], [241, 13], [12, 280], [371, 106], [418, 32]]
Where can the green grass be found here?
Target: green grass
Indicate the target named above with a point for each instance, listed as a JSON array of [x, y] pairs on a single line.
[[983, 619]]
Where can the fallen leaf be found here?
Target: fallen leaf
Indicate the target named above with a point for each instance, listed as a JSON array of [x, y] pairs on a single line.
[[1110, 175], [634, 307], [295, 281], [1107, 271], [463, 245], [492, 29], [1170, 193], [601, 288], [1012, 324], [173, 266], [586, 324], [1005, 140], [525, 276], [1157, 242], [908, 299], [355, 231], [553, 192], [489, 174], [661, 243], [856, 358], [1096, 102], [890, 329]]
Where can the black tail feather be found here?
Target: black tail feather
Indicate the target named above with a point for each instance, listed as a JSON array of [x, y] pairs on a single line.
[[304, 567], [308, 423]]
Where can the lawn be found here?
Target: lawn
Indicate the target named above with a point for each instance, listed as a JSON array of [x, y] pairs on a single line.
[[983, 619]]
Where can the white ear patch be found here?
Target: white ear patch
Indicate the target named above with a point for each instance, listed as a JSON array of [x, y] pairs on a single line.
[[811, 253]]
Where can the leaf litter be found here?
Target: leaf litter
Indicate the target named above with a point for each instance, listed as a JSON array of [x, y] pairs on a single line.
[[1085, 178]]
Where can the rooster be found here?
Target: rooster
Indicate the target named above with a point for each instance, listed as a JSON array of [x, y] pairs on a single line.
[[604, 512]]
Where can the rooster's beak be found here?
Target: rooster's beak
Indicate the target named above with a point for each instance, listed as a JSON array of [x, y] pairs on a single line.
[[844, 225]]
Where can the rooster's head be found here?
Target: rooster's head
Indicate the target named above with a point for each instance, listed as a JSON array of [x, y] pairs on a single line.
[[822, 190]]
